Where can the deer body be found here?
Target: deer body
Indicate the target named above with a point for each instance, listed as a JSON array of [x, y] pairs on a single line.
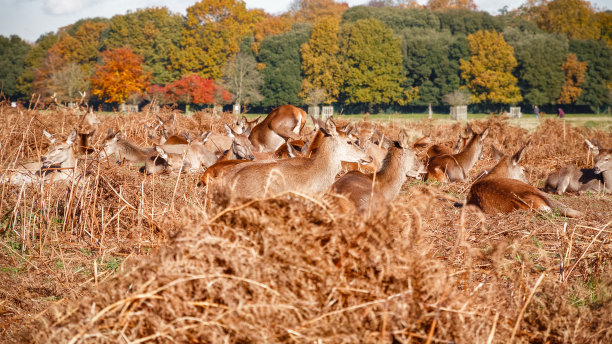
[[455, 167], [504, 190], [282, 123], [401, 162], [572, 179], [304, 175]]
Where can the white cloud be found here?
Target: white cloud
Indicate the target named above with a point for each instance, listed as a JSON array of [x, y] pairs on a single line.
[[60, 7]]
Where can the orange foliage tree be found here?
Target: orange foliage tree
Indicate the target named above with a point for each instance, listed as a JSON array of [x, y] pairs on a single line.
[[311, 10], [575, 18], [574, 78], [270, 25], [119, 76]]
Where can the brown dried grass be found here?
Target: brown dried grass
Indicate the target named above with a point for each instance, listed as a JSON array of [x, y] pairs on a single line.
[[292, 268]]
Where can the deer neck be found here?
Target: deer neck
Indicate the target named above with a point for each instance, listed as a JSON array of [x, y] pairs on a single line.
[[500, 170], [324, 166], [130, 151], [468, 157], [392, 174]]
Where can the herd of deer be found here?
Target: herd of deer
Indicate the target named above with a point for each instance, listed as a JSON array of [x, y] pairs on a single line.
[[257, 160]]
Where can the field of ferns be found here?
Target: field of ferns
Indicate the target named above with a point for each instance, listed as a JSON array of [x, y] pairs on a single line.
[[118, 256]]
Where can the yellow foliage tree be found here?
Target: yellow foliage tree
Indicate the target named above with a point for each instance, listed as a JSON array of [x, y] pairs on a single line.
[[489, 71], [213, 32], [446, 4], [320, 63], [119, 76], [574, 18], [269, 25], [311, 10], [574, 77]]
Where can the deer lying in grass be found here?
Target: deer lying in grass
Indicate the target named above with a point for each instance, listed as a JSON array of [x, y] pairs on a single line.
[[122, 149], [282, 123], [455, 167], [596, 179], [194, 155], [368, 192], [504, 189], [57, 164], [304, 175], [87, 127]]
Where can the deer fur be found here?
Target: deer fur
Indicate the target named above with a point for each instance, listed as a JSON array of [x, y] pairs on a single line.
[[455, 167], [282, 123], [304, 175], [368, 191]]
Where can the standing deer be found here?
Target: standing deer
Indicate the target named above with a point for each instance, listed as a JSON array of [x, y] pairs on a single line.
[[304, 175], [367, 191], [282, 123], [55, 165], [455, 167], [504, 190], [596, 179]]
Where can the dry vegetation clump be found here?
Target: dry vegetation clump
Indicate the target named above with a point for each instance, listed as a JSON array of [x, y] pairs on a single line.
[[123, 257]]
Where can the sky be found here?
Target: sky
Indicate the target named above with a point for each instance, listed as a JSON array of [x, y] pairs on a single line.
[[30, 18]]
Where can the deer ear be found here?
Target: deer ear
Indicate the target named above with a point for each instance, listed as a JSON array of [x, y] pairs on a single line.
[[403, 139], [330, 128], [497, 154], [229, 131], [484, 134], [118, 135], [49, 136], [205, 136], [468, 129], [71, 138], [248, 130], [518, 156], [592, 147]]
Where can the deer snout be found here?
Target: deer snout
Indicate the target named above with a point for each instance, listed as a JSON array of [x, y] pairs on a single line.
[[597, 170], [251, 157], [366, 161]]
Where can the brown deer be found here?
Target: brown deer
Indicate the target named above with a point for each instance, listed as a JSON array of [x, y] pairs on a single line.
[[303, 175], [455, 167], [56, 164], [282, 123], [124, 150], [504, 189], [195, 154], [596, 179], [368, 192], [86, 128]]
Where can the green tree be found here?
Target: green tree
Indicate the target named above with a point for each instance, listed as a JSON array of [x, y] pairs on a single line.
[[372, 66], [488, 73], [33, 61], [540, 57], [212, 35], [462, 21], [431, 59], [395, 18], [279, 56], [13, 52], [154, 34], [598, 56], [451, 4], [68, 82], [320, 60]]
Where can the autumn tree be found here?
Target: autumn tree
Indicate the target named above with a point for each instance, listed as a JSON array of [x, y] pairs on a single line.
[[13, 52], [320, 60], [451, 4], [194, 89], [488, 73], [397, 19], [154, 34], [310, 11], [212, 34], [80, 43], [268, 26], [574, 18], [574, 78], [119, 76], [243, 80], [372, 65]]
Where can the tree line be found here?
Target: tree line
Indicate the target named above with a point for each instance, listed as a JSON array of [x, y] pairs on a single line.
[[383, 56]]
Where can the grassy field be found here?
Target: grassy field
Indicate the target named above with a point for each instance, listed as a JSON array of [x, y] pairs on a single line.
[[120, 257]]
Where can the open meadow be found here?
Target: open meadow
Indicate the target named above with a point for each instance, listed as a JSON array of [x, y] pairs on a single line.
[[117, 256]]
